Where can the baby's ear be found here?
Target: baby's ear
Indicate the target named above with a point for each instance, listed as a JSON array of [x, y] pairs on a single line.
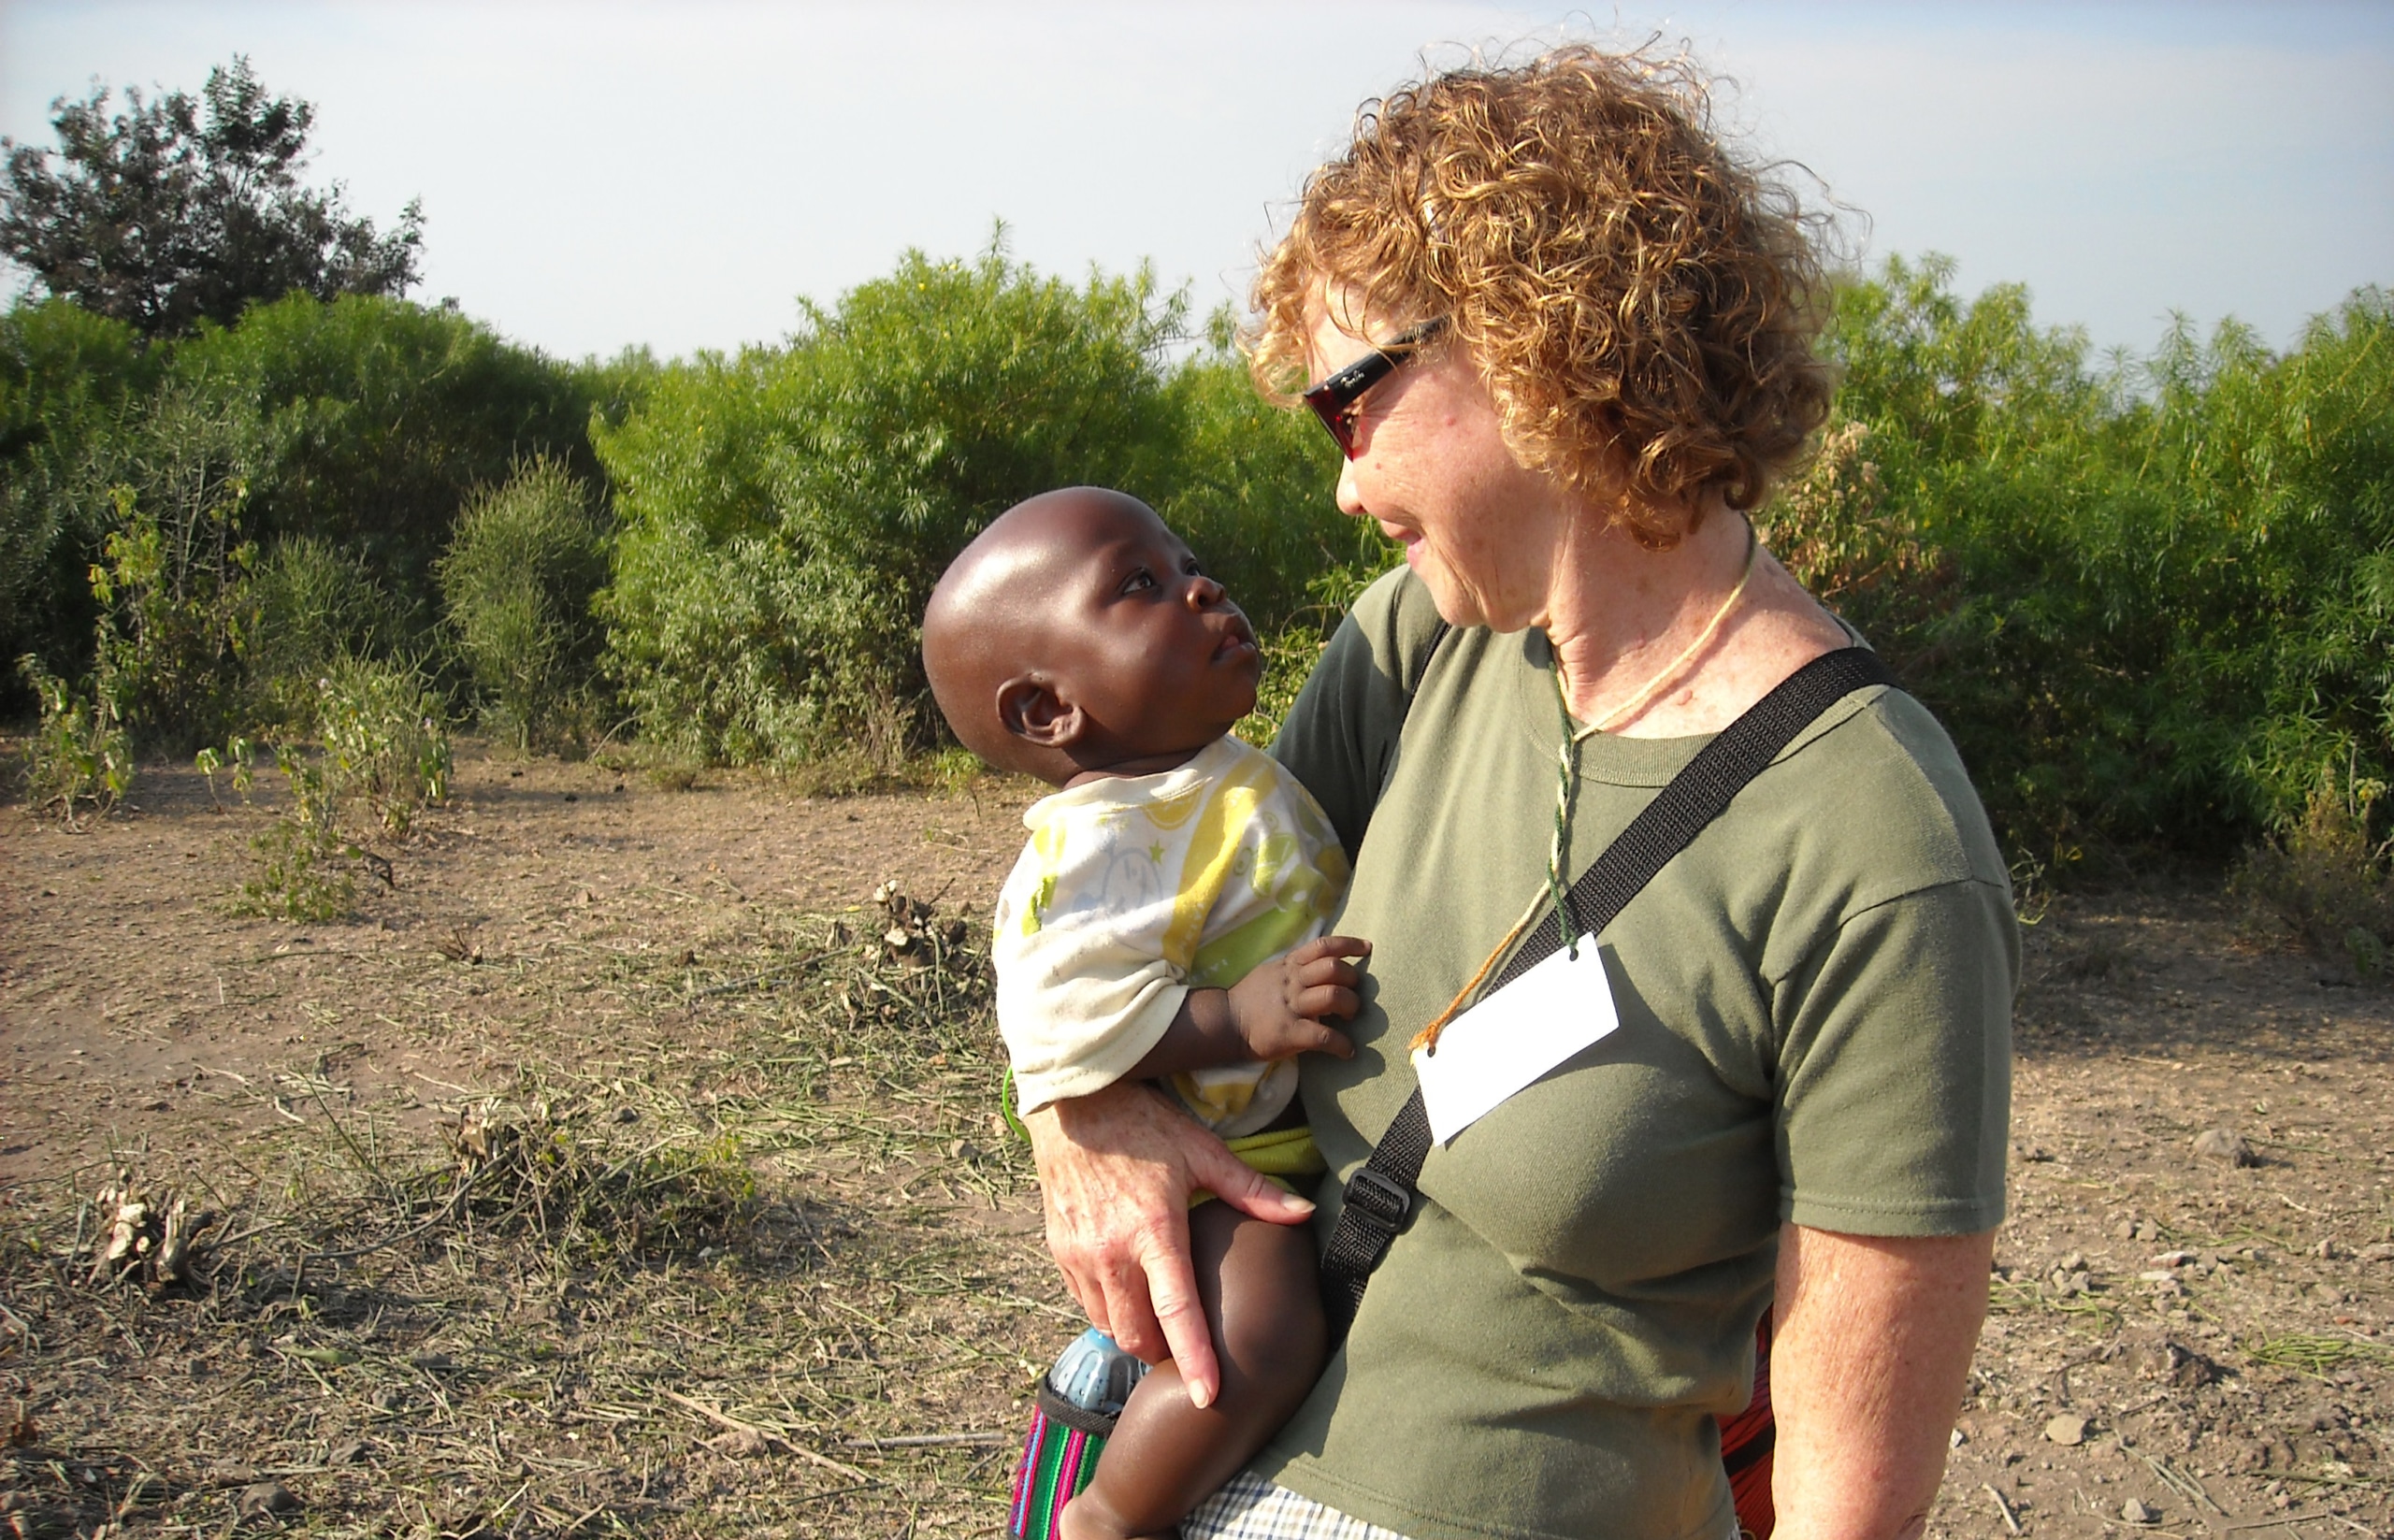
[[1031, 711]]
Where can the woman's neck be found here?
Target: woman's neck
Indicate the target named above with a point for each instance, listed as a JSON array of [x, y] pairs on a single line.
[[1622, 619]]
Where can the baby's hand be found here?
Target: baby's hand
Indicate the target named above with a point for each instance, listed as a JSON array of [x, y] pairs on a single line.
[[1280, 1006]]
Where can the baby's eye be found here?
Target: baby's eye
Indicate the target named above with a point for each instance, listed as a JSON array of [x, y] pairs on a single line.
[[1139, 582]]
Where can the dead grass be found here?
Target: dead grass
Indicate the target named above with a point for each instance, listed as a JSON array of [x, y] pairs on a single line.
[[595, 1305]]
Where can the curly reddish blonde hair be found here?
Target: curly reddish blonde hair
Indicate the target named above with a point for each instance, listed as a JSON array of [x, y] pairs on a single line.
[[1641, 303]]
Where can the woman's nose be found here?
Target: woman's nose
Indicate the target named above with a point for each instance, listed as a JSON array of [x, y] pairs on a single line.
[[1203, 591], [1350, 499]]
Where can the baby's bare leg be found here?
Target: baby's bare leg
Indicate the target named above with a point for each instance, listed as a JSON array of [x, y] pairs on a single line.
[[1257, 1286]]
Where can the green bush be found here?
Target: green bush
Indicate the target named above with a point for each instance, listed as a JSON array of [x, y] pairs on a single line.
[[311, 605], [66, 376], [783, 514], [300, 873], [1252, 489], [172, 575], [2323, 879], [386, 416], [80, 754], [2149, 601], [516, 583], [386, 739]]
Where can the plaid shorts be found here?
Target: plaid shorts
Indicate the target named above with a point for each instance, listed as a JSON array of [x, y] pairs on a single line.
[[1252, 1508]]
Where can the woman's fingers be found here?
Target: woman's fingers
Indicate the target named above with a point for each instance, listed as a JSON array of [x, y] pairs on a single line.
[[1165, 1291], [1115, 1171]]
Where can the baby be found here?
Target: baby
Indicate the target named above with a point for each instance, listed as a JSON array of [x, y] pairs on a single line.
[[1161, 923]]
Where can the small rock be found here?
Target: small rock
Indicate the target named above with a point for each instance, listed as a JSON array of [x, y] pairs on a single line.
[[1958, 1439], [2173, 1258], [2072, 1263], [2225, 1143], [2123, 1230], [2147, 1230], [2137, 1513], [346, 1454], [2068, 1427], [2327, 1251], [263, 1498]]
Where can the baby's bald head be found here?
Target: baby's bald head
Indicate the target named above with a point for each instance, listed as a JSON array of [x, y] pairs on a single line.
[[991, 616]]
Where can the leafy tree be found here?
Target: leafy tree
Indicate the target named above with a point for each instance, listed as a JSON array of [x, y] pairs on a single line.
[[66, 377], [175, 210]]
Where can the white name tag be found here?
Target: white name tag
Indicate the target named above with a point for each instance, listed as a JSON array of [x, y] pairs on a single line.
[[1514, 1036]]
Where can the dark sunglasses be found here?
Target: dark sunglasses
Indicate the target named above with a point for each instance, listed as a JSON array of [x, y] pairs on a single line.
[[1333, 400]]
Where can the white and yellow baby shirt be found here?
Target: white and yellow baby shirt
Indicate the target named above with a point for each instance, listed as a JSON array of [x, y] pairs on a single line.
[[1134, 890]]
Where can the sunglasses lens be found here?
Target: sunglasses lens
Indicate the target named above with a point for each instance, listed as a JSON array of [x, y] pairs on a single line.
[[1338, 417], [1334, 400]]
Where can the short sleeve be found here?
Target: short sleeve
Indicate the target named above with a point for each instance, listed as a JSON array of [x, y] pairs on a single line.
[[1340, 739], [1083, 989], [1895, 1067]]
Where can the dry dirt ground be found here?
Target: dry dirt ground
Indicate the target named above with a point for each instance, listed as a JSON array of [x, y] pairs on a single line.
[[608, 1173]]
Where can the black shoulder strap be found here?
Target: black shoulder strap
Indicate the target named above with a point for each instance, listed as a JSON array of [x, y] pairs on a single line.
[[1380, 1196]]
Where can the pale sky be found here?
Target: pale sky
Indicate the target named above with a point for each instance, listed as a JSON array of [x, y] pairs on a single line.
[[596, 175]]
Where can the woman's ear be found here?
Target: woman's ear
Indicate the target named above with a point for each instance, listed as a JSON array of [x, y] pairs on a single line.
[[1033, 712]]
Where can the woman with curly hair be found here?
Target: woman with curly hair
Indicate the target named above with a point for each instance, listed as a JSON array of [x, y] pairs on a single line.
[[1565, 340]]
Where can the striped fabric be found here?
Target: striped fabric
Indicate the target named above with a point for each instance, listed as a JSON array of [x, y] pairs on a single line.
[[1057, 1463]]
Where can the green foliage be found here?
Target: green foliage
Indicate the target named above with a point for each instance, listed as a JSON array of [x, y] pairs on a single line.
[[242, 755], [171, 581], [386, 416], [80, 754], [2324, 880], [65, 379], [312, 606], [386, 739], [2149, 603], [359, 425], [1252, 489], [385, 745], [784, 513], [516, 581], [176, 210], [300, 873]]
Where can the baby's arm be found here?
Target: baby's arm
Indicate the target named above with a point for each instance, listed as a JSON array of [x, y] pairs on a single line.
[[1276, 1011]]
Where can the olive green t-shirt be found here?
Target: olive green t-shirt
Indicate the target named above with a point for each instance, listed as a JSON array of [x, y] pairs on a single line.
[[1815, 1004]]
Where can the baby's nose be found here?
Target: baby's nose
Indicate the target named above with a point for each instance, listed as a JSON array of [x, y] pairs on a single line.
[[1204, 593]]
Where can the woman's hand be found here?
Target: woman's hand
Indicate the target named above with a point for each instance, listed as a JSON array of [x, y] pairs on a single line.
[[1116, 1169]]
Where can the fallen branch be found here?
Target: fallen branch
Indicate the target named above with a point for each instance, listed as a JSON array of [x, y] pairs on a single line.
[[926, 1441], [734, 1425], [2002, 1507]]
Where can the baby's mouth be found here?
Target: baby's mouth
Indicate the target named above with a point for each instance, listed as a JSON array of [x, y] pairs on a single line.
[[1238, 640]]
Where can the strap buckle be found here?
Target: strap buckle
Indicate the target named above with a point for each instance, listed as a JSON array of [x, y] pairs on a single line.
[[1379, 1202]]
